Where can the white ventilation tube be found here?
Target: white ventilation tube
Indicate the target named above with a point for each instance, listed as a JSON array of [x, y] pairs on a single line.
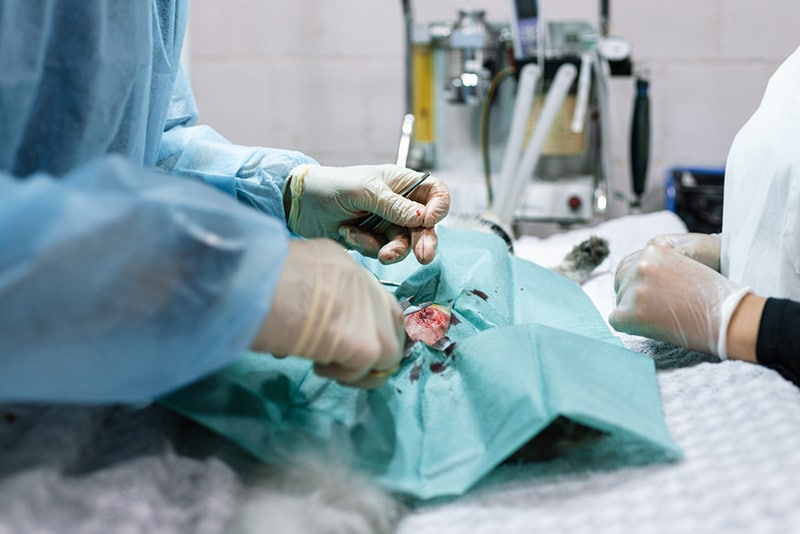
[[511, 192]]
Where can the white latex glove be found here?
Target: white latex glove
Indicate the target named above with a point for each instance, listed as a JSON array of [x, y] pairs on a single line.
[[329, 201], [704, 248], [664, 295], [331, 310]]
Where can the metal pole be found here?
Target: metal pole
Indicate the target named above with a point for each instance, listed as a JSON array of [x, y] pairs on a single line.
[[409, 29], [407, 129], [604, 17]]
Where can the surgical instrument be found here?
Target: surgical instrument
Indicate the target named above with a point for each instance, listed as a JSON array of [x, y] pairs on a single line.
[[409, 308], [374, 223]]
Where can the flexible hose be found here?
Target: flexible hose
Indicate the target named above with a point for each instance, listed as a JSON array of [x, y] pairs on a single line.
[[484, 126], [514, 191]]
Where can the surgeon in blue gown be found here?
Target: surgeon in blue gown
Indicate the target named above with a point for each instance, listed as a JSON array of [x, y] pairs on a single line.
[[140, 251]]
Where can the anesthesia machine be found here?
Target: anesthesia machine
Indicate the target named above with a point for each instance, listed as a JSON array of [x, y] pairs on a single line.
[[514, 116]]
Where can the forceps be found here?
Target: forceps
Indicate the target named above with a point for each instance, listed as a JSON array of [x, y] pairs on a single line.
[[405, 304], [376, 224], [409, 308]]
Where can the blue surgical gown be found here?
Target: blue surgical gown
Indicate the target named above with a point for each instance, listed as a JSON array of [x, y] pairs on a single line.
[[138, 251]]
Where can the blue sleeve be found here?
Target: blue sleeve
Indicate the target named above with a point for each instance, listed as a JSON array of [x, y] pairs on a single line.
[[119, 283], [254, 175]]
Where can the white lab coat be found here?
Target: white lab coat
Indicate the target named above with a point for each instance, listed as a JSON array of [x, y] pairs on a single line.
[[761, 221]]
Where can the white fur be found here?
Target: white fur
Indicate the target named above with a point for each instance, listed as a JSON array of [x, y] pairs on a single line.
[[315, 496]]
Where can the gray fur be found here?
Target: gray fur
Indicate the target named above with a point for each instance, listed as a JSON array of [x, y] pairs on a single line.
[[583, 259]]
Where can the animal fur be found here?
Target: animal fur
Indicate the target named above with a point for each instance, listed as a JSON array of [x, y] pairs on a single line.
[[313, 495], [578, 265], [583, 259]]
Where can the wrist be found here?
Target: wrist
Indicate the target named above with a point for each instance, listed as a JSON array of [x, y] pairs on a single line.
[[292, 194], [743, 328]]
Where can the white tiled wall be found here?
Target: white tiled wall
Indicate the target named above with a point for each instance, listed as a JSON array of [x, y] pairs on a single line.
[[327, 77]]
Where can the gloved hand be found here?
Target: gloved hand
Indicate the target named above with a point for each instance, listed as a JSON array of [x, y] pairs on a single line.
[[665, 295], [704, 248], [330, 309], [329, 201]]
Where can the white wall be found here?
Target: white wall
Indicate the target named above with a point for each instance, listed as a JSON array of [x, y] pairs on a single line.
[[326, 76]]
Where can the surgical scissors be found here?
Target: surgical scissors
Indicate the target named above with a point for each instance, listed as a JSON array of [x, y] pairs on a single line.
[[376, 224]]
